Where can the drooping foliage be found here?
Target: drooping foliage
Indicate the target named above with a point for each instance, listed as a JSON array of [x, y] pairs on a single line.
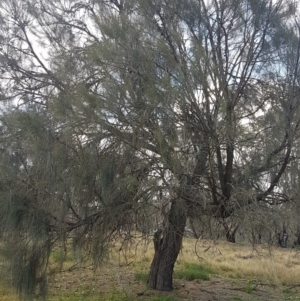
[[124, 116]]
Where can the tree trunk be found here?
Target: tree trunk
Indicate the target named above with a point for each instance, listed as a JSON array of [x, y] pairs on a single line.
[[283, 238], [196, 235], [230, 233], [230, 236], [297, 242], [167, 245]]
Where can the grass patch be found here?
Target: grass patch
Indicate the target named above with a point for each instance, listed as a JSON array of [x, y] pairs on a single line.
[[74, 298], [250, 286], [60, 256], [192, 271], [287, 291], [115, 295], [163, 298], [234, 275], [237, 299], [289, 295], [141, 276], [79, 295], [6, 295], [88, 295]]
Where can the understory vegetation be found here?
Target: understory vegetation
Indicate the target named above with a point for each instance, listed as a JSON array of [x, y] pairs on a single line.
[[245, 271]]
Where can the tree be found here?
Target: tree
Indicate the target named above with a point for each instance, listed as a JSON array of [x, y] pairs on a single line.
[[186, 106]]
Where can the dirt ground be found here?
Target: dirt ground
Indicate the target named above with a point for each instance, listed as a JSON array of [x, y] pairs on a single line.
[[116, 279], [221, 289]]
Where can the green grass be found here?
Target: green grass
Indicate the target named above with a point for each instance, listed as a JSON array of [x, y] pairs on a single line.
[[163, 298], [82, 295], [115, 295], [237, 299], [88, 295], [75, 298], [289, 295], [250, 286], [60, 256], [192, 271], [141, 276]]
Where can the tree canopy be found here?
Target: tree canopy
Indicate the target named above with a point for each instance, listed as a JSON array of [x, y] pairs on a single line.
[[125, 115]]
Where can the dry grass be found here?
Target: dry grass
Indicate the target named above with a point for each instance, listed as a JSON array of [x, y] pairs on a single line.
[[7, 295], [263, 262], [116, 279], [279, 266]]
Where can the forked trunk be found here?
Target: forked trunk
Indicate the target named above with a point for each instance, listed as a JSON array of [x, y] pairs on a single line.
[[167, 245], [230, 236]]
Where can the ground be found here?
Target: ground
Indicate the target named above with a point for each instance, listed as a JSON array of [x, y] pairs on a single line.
[[113, 285], [217, 271]]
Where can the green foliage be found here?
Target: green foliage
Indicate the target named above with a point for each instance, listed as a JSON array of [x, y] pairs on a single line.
[[192, 271], [133, 105]]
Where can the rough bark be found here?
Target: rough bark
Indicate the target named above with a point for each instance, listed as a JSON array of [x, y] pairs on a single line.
[[230, 237], [283, 238], [230, 233], [297, 242], [167, 245]]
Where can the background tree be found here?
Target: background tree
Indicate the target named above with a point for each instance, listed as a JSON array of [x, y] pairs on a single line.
[[189, 108]]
